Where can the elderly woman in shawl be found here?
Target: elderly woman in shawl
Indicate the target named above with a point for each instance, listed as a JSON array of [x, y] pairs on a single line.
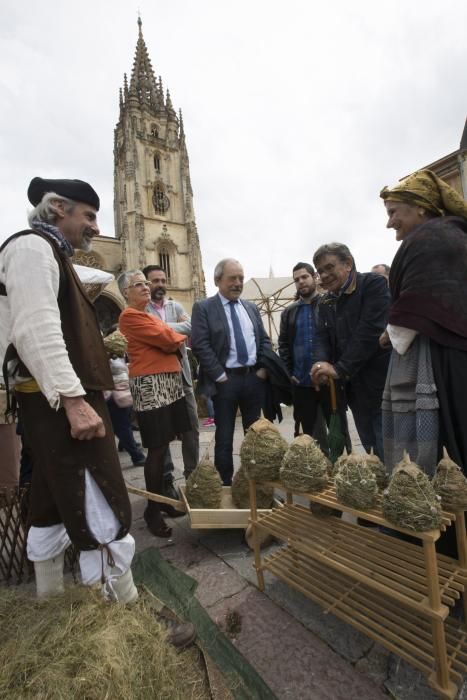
[[425, 397]]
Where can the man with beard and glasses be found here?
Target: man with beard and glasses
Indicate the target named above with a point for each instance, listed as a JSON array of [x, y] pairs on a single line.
[[228, 338], [175, 316], [56, 361], [296, 344]]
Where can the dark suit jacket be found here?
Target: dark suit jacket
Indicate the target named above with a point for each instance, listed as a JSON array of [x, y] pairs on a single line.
[[210, 339]]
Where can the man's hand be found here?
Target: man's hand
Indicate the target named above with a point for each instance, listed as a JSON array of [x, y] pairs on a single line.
[[262, 373], [384, 340], [321, 372], [294, 380], [85, 423]]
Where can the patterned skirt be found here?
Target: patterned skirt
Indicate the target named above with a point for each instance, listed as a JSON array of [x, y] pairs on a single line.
[[160, 406]]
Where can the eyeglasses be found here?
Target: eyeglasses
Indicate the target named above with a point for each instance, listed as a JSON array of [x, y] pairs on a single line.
[[140, 285]]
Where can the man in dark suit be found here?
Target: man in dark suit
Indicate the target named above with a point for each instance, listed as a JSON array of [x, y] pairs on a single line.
[[227, 338]]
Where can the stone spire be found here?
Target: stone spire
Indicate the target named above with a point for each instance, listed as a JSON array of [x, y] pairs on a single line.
[[143, 84]]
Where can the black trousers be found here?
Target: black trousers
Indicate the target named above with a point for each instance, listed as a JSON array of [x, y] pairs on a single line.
[[244, 392]]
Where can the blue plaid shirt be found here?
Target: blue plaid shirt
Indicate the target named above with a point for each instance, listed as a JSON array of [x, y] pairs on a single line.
[[303, 343]]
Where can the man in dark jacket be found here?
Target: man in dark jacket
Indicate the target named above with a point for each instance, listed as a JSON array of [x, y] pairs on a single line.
[[296, 344], [353, 313]]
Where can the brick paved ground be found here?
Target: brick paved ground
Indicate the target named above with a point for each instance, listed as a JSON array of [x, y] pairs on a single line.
[[302, 653]]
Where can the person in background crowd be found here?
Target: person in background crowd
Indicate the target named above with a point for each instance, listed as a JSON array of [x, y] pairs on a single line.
[[227, 338], [155, 383], [58, 365], [175, 316], [381, 269], [296, 345], [119, 400], [425, 397], [352, 315]]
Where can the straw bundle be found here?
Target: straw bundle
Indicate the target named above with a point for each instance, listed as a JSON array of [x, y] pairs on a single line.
[[241, 492], [410, 500], [116, 344], [262, 450], [304, 466], [355, 483], [450, 483], [78, 646], [204, 486], [378, 469], [334, 468]]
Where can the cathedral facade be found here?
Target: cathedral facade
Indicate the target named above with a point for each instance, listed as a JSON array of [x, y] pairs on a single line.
[[153, 198]]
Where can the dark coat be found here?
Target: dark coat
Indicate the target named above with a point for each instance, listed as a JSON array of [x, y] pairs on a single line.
[[278, 389], [210, 339], [348, 334], [287, 330]]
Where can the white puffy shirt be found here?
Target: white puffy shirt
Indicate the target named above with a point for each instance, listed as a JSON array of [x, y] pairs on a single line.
[[30, 317]]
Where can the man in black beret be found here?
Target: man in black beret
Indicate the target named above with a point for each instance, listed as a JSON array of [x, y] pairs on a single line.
[[59, 368]]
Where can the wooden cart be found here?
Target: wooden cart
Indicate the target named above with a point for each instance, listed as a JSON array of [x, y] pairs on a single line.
[[226, 517], [396, 592]]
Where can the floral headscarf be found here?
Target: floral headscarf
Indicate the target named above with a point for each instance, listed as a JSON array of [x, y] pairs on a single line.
[[427, 190]]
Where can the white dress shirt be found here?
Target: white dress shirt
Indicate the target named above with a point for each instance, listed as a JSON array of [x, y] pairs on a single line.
[[247, 330]]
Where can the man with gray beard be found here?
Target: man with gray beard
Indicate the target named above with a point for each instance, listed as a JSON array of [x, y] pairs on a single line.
[[55, 358]]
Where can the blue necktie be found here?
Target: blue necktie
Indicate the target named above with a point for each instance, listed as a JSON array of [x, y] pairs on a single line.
[[242, 352]]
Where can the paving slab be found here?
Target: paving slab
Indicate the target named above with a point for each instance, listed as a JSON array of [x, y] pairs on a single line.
[[294, 663]]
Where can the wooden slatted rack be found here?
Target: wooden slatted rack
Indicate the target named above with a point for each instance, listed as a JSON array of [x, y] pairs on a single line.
[[396, 592]]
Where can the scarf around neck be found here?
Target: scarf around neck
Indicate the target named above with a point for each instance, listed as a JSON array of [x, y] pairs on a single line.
[[55, 234]]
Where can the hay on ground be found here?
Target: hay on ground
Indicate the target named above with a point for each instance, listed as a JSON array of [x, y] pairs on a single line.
[[304, 467], [204, 486], [262, 450], [355, 483], [410, 500], [79, 646], [450, 483], [241, 492]]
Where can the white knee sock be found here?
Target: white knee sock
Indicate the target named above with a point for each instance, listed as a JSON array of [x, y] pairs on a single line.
[[49, 576], [124, 588]]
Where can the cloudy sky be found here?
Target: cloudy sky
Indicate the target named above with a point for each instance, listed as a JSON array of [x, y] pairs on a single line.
[[296, 113]]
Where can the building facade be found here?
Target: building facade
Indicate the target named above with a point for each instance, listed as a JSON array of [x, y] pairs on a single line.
[[153, 197]]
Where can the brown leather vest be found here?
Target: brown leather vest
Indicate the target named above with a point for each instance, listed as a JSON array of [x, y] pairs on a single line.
[[80, 326]]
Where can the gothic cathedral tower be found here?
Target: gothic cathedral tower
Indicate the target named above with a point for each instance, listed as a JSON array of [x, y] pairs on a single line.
[[153, 206]]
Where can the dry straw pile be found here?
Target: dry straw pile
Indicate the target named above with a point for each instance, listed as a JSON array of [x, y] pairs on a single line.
[[77, 646], [304, 466], [241, 492], [262, 450], [450, 483], [116, 344], [410, 500], [204, 486], [356, 483]]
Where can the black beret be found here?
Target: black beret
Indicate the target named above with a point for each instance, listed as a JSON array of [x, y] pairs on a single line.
[[77, 190]]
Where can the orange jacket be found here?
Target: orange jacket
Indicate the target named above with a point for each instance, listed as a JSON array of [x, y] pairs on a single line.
[[152, 345]]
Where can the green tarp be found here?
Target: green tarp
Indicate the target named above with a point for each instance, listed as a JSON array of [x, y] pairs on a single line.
[[177, 591]]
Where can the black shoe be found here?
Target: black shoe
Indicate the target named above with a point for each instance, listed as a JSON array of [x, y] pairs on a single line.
[[169, 490], [139, 460], [156, 524]]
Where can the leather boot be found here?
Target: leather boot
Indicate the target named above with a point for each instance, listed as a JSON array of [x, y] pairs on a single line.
[[180, 634], [49, 576], [155, 522]]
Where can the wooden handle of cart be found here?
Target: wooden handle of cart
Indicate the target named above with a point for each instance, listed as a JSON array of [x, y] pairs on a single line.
[[158, 498], [332, 391]]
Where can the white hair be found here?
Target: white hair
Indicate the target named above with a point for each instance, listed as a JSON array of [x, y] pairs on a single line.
[[219, 269], [123, 280], [46, 211]]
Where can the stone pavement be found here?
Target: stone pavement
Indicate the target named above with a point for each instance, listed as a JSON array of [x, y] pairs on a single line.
[[300, 652]]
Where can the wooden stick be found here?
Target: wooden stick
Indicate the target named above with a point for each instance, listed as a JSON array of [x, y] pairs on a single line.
[[157, 497]]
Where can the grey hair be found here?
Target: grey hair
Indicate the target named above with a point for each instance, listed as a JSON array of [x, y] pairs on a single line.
[[46, 211], [124, 279], [340, 250], [219, 269]]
